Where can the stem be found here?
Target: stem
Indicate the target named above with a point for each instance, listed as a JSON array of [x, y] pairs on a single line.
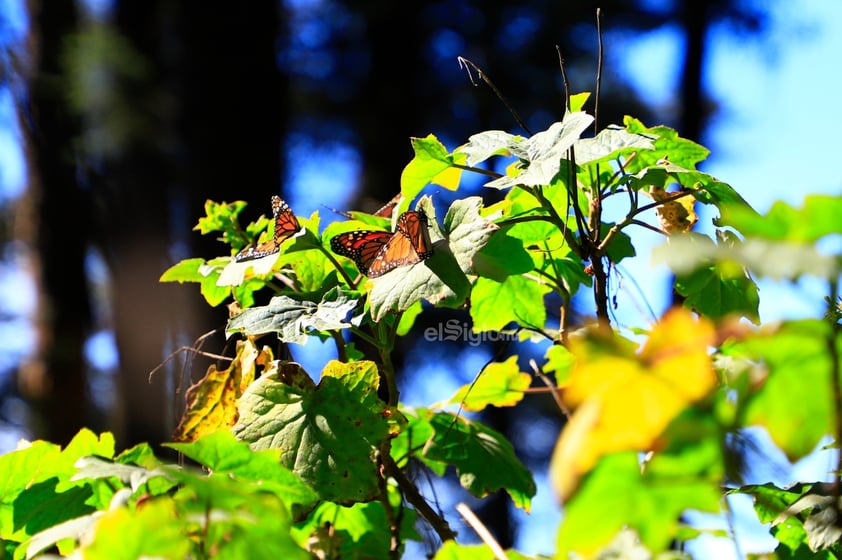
[[479, 170], [462, 60], [414, 497], [834, 317], [337, 266], [394, 524], [629, 219]]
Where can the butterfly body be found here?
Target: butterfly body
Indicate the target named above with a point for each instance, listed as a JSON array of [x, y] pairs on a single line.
[[286, 225], [378, 252]]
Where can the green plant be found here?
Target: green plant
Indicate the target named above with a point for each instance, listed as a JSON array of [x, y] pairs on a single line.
[[300, 468]]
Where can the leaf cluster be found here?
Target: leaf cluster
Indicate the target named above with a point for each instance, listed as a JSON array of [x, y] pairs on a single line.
[[296, 463]]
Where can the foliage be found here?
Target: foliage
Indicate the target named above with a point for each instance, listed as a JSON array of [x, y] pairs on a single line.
[[288, 462]]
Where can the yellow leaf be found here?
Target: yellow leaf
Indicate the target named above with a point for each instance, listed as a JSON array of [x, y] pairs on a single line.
[[449, 178], [677, 215], [624, 400], [499, 384], [212, 401]]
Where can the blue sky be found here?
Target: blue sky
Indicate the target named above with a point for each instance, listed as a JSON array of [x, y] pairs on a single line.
[[768, 141]]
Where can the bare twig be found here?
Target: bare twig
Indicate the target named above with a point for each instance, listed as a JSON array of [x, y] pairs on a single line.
[[465, 63], [414, 497], [598, 70], [564, 78], [195, 349], [553, 389], [481, 530]]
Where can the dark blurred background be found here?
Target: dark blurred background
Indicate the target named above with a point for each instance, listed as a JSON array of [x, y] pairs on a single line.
[[131, 114]]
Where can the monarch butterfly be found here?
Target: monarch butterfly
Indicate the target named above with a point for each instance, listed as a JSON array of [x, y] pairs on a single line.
[[286, 225], [378, 252]]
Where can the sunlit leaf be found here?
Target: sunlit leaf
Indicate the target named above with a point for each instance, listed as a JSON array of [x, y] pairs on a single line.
[[610, 143], [485, 461], [357, 531], [211, 403], [294, 320], [222, 453], [623, 399], [431, 163], [486, 144], [516, 299], [798, 367], [818, 217], [541, 154], [328, 435], [498, 384], [151, 531], [616, 495]]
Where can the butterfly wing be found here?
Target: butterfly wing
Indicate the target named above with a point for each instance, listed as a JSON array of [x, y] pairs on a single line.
[[361, 246], [286, 225], [410, 244], [386, 210], [414, 225]]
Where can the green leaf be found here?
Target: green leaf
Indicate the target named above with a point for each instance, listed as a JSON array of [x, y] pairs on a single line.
[[620, 247], [818, 217], [408, 318], [70, 531], [559, 361], [516, 299], [222, 453], [442, 279], [184, 271], [485, 461], [669, 144], [611, 143], [328, 435], [151, 531], [498, 384], [503, 256], [542, 153], [486, 144], [708, 293], [687, 253], [578, 100], [91, 468], [219, 216], [295, 320], [797, 367], [430, 164], [615, 495], [359, 532]]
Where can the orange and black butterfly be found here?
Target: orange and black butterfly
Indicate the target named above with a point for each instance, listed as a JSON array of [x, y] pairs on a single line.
[[286, 225], [378, 252]]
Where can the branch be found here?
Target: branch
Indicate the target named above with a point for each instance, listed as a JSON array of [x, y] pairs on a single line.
[[414, 497], [464, 63], [482, 531]]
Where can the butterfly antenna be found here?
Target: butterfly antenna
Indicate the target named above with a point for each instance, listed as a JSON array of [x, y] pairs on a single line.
[[467, 65], [339, 212]]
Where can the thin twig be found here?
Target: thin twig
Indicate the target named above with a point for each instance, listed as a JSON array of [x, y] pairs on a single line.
[[833, 317], [414, 497], [193, 349], [464, 63], [481, 530], [598, 70], [553, 389], [564, 78]]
